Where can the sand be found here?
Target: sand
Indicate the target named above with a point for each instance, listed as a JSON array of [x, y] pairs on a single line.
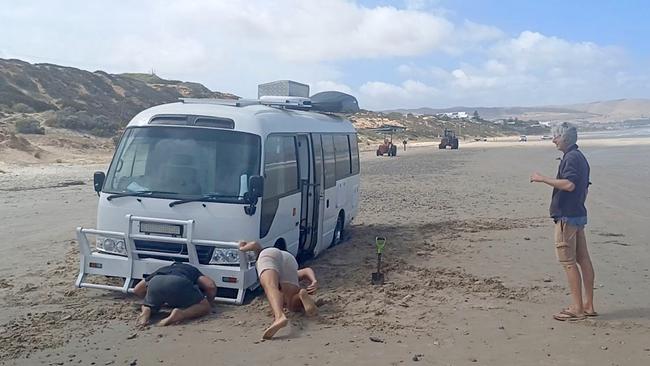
[[470, 269]]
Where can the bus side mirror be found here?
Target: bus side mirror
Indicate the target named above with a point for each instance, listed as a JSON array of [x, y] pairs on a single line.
[[98, 181], [256, 186], [255, 191]]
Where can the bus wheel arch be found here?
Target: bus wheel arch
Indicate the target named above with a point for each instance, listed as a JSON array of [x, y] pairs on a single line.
[[338, 230]]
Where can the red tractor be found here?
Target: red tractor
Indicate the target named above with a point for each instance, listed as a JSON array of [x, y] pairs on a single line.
[[387, 148]]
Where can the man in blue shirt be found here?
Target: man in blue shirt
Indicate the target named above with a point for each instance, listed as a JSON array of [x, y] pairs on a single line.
[[569, 213]]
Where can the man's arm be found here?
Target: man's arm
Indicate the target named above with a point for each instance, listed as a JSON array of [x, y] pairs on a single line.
[[561, 184], [250, 246], [209, 288], [309, 275]]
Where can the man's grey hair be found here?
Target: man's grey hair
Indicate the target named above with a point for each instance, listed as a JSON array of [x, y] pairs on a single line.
[[567, 132]]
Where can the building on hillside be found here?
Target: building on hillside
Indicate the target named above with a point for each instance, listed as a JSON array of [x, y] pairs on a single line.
[[454, 115]]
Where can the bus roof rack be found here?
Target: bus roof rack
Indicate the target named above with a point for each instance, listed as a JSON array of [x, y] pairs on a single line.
[[324, 102], [230, 102]]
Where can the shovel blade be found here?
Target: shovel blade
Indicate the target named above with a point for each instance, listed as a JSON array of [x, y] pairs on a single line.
[[377, 278]]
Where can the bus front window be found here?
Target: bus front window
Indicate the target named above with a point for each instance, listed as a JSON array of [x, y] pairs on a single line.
[[182, 161]]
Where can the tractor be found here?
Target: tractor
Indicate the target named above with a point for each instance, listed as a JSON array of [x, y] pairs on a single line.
[[449, 139], [387, 147]]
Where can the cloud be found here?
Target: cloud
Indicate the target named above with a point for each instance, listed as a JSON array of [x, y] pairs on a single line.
[[529, 69], [532, 50], [389, 56], [305, 31], [326, 85], [379, 95]]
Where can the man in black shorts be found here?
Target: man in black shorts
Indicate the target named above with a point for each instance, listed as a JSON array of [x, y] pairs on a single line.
[[180, 286]]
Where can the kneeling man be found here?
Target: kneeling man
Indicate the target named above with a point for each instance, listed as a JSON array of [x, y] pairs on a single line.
[[280, 277], [180, 286]]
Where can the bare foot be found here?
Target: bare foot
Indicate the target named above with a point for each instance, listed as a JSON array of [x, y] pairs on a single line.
[[143, 318], [308, 303], [277, 325], [174, 317]]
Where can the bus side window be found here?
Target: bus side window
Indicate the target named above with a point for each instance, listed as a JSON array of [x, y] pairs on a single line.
[[280, 166], [318, 153], [354, 153], [330, 161], [342, 149]]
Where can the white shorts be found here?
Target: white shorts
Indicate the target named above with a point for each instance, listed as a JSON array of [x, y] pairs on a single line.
[[280, 261]]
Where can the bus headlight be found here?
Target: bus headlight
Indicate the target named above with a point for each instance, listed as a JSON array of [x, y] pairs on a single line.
[[229, 256], [110, 245], [225, 256]]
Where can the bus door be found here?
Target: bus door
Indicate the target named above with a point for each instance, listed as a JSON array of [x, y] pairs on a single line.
[[309, 192], [319, 196]]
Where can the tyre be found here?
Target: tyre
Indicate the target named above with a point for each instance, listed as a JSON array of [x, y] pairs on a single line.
[[378, 152], [454, 144], [441, 146], [393, 149], [338, 231]]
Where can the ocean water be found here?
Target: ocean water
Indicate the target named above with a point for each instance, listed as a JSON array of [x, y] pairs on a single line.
[[628, 132]]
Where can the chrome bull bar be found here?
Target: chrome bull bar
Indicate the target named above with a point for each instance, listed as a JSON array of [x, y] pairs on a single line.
[[131, 267]]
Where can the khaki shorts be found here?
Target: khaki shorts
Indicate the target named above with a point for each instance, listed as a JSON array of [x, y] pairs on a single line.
[[280, 261], [568, 239]]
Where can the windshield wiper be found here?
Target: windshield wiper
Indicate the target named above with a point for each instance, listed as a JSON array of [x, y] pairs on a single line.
[[136, 194], [205, 197]]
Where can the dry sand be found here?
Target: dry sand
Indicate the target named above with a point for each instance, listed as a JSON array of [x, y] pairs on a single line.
[[471, 274]]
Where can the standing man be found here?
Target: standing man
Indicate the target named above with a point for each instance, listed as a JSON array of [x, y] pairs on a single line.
[[405, 142], [570, 216]]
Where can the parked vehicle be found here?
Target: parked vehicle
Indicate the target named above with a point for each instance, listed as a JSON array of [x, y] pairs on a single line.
[[387, 147], [547, 137], [449, 139], [190, 179], [523, 138]]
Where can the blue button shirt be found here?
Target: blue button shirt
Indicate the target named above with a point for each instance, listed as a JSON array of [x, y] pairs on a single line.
[[579, 221], [575, 168]]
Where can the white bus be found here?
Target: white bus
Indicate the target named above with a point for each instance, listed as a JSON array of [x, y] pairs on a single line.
[[190, 179]]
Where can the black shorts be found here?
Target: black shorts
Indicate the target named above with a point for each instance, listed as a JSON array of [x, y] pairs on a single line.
[[175, 291]]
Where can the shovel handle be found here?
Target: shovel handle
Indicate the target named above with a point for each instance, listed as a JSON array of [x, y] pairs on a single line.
[[378, 262]]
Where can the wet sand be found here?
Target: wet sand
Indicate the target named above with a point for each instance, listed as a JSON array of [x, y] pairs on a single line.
[[470, 268]]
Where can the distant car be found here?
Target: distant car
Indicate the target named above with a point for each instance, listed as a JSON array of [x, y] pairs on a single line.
[[547, 137], [523, 138]]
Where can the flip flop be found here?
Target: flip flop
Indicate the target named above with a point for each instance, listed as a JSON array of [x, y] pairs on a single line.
[[566, 315], [587, 314]]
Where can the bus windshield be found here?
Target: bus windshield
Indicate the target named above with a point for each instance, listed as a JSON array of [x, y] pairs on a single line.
[[184, 162]]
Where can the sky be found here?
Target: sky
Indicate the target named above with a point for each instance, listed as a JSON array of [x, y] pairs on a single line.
[[389, 54]]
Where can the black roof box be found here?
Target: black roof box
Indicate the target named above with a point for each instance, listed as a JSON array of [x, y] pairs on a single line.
[[334, 102]]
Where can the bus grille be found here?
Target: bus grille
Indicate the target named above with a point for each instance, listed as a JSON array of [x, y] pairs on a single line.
[[204, 252]]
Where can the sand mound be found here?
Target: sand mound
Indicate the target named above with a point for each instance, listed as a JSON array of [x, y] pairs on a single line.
[[12, 141]]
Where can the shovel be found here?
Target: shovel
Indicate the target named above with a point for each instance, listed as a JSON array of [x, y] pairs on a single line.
[[378, 277]]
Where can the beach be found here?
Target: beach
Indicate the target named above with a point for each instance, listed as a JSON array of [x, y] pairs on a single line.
[[470, 267]]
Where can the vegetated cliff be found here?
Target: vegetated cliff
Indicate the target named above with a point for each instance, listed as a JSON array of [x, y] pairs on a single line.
[[95, 102]]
